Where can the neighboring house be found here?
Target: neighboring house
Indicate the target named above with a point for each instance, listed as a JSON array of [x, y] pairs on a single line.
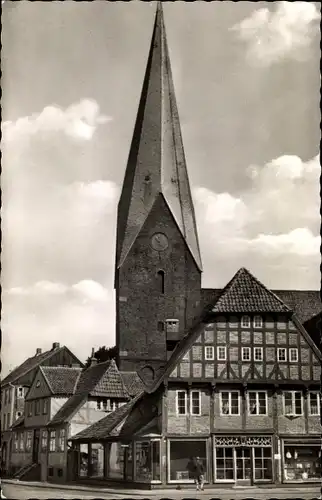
[[100, 390], [51, 388], [231, 375], [15, 385]]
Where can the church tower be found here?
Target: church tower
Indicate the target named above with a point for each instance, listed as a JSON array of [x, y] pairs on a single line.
[[158, 264]]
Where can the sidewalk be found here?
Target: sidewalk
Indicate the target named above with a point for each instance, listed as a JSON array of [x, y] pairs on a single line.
[[315, 490]]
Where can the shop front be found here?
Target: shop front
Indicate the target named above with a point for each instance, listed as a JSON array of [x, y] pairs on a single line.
[[179, 456], [243, 459], [301, 460]]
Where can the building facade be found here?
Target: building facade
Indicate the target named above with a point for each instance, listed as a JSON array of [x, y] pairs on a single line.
[[15, 386], [230, 375]]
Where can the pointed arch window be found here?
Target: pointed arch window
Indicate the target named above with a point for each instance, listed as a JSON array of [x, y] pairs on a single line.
[[160, 279]]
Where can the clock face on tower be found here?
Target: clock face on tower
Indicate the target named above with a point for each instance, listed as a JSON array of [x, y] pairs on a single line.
[[159, 242]]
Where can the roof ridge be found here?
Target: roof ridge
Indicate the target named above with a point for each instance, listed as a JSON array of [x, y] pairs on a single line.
[[48, 353]]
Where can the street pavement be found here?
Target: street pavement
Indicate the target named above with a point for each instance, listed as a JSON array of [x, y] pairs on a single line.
[[16, 491]]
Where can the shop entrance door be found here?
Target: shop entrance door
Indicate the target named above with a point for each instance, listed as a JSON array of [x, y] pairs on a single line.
[[243, 466]]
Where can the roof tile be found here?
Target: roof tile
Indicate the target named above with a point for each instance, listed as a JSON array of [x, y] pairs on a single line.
[[246, 294], [61, 379]]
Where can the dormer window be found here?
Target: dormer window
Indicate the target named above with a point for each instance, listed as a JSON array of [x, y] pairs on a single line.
[[258, 322], [245, 322], [172, 325]]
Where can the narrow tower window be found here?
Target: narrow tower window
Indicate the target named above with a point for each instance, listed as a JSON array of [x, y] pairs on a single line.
[[160, 277]]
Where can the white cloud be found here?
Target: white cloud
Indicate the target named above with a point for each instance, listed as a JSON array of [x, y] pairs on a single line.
[[275, 220], [286, 31], [78, 121], [80, 316]]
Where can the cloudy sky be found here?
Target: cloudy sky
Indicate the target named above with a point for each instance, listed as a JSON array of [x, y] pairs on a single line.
[[247, 81]]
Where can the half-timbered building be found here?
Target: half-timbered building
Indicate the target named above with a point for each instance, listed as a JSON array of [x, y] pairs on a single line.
[[230, 375]]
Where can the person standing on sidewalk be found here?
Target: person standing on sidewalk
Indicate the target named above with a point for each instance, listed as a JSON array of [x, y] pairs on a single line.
[[196, 469]]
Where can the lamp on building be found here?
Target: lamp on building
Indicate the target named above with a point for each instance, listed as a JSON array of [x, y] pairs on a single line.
[[288, 455]]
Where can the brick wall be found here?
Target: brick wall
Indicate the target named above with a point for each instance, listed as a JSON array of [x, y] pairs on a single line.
[[139, 303]]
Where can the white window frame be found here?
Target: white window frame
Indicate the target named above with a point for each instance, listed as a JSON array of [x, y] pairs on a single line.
[[257, 414], [244, 323], [211, 349], [52, 441], [28, 440], [61, 440], [246, 349], [261, 321], [293, 403], [317, 394], [44, 439], [293, 350], [258, 349], [177, 403], [229, 403], [279, 350], [20, 389], [199, 402], [180, 481], [15, 442], [219, 358], [21, 441]]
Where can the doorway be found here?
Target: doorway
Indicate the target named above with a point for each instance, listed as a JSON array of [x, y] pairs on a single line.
[[243, 465], [35, 447]]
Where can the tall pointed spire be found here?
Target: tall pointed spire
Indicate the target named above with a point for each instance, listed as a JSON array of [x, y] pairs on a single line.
[[156, 162]]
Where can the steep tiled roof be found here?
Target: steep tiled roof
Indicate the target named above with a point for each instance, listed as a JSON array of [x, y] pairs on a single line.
[[102, 379], [71, 406], [132, 382], [28, 365], [305, 303], [244, 293], [103, 427], [61, 379]]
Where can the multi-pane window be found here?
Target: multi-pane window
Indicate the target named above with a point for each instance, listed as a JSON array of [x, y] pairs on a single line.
[[293, 354], [209, 353], [281, 354], [15, 441], [245, 322], [181, 402], [224, 464], [20, 392], [52, 441], [293, 403], [45, 406], [257, 402], [37, 407], [8, 420], [44, 440], [262, 463], [21, 441], [195, 405], [314, 403], [258, 322], [221, 353], [61, 440], [258, 354], [246, 353], [229, 403], [29, 409], [5, 396], [29, 440]]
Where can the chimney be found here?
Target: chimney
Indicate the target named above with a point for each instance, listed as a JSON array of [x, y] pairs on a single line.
[[56, 345], [38, 351], [93, 359]]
